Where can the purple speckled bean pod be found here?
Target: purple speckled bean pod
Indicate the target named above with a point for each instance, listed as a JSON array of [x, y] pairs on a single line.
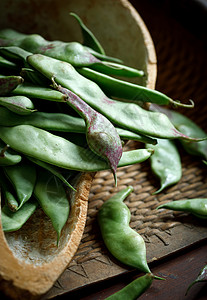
[[102, 137]]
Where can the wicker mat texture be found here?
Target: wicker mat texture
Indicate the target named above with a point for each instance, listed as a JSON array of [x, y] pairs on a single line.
[[182, 73]]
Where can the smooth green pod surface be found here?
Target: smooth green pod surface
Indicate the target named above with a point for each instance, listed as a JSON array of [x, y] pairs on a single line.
[[12, 221], [55, 150], [51, 196], [165, 163], [61, 122], [22, 177], [8, 156], [127, 115], [187, 127], [19, 104], [122, 241], [197, 206]]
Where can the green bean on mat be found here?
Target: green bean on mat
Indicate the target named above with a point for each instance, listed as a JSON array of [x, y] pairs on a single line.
[[165, 163], [61, 122], [101, 135], [133, 290], [12, 221], [52, 198], [9, 83], [197, 206], [19, 104], [8, 192], [22, 177], [124, 243], [188, 127], [126, 90], [127, 115], [52, 149], [8, 156]]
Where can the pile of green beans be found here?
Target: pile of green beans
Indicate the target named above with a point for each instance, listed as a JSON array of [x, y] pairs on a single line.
[[65, 110]]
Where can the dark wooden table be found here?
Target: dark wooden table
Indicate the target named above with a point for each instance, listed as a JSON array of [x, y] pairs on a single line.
[[179, 271]]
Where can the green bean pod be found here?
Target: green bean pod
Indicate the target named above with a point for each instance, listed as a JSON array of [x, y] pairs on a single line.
[[8, 156], [202, 277], [9, 83], [124, 243], [165, 163], [58, 151], [101, 135], [126, 90], [133, 290], [35, 91], [8, 66], [22, 177], [52, 169], [19, 104], [61, 122], [8, 192], [127, 115], [15, 54], [197, 206], [51, 196], [89, 38], [188, 127], [12, 221]]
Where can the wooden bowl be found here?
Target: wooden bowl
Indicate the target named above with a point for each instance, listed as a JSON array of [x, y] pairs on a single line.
[[30, 262]]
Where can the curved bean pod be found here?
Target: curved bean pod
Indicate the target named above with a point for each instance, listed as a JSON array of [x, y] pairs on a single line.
[[134, 289], [101, 135], [165, 163], [126, 90], [197, 206], [122, 241], [8, 156], [51, 196], [12, 221], [22, 178], [188, 127], [127, 115], [19, 104]]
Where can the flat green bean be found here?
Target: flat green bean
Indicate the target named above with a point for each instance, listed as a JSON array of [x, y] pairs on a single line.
[[61, 122], [197, 206], [35, 91], [165, 163], [55, 150], [8, 156], [22, 177], [8, 192], [19, 104], [51, 196], [127, 115], [133, 290], [12, 221], [126, 90]]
